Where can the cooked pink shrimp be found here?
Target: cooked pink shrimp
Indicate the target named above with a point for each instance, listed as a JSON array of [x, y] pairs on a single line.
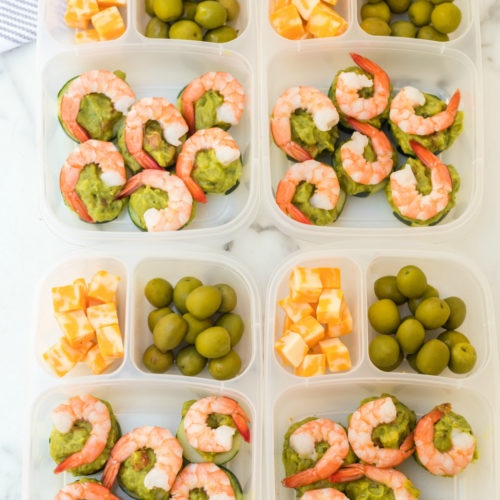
[[158, 109], [303, 441], [167, 450], [205, 476], [94, 81], [324, 494], [106, 156], [204, 438], [85, 490], [405, 195], [310, 99], [403, 114], [361, 425], [321, 176], [230, 89], [451, 462], [180, 201], [226, 151], [400, 485], [349, 83], [93, 411], [356, 165]]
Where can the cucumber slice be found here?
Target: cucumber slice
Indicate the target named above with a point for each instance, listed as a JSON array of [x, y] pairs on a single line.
[[60, 94], [192, 455], [238, 491]]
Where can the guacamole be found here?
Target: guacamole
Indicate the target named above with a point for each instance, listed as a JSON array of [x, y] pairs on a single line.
[[366, 489], [443, 429], [213, 176], [143, 199], [439, 141], [424, 186], [205, 111], [61, 446], [317, 216], [306, 134], [98, 197]]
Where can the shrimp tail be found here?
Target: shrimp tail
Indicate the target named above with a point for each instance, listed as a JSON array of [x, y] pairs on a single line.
[[362, 127], [454, 102], [408, 445], [439, 412], [146, 161], [297, 152], [348, 473], [242, 426], [110, 473], [317, 473], [424, 155], [283, 195], [132, 185], [76, 203], [365, 64], [196, 191], [71, 462]]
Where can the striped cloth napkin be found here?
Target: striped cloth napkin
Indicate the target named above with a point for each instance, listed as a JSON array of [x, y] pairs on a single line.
[[18, 19]]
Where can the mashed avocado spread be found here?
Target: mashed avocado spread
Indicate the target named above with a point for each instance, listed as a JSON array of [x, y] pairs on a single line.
[[444, 427], [214, 177], [205, 111]]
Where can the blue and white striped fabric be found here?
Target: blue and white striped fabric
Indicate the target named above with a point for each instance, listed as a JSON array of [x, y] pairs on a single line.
[[18, 20]]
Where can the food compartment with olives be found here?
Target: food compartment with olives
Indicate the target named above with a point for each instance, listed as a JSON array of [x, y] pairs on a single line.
[[371, 149], [137, 405], [334, 401], [205, 322]]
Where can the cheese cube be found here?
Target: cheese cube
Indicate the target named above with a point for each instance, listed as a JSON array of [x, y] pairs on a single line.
[[58, 360], [102, 315], [109, 23], [305, 7], [295, 310], [292, 348], [313, 364], [75, 326], [102, 288], [329, 276], [310, 329], [305, 284], [79, 12], [324, 22], [86, 36], [109, 339], [104, 4], [96, 361], [69, 297], [77, 352], [287, 22], [337, 355], [343, 327], [330, 305]]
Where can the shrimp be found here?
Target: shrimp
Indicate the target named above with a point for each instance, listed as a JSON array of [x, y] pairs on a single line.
[[204, 438], [168, 456], [86, 490], [112, 172], [324, 494], [96, 413], [408, 200], [451, 462], [316, 103], [400, 485], [226, 151], [303, 441], [158, 109], [180, 202], [324, 179], [205, 476], [402, 112], [361, 425], [93, 81], [356, 165], [349, 83], [229, 88]]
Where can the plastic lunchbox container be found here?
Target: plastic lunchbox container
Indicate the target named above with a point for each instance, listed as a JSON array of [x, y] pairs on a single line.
[[438, 68], [336, 395], [153, 68]]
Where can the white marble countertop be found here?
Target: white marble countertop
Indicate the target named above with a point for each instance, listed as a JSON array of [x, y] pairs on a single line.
[[28, 247]]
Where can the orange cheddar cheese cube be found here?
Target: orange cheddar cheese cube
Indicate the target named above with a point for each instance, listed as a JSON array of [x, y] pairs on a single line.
[[102, 288], [329, 276], [330, 305], [305, 284], [343, 327], [305, 7], [287, 22], [108, 23], [69, 297], [102, 315], [75, 326], [312, 365], [295, 310], [79, 12], [104, 4], [310, 329], [96, 361], [86, 36], [325, 22], [292, 348], [337, 355], [58, 359], [109, 339], [77, 352]]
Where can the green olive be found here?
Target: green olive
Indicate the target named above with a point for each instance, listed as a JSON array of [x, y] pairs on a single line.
[[420, 11], [385, 353], [182, 289], [229, 298], [185, 29], [380, 10], [458, 311], [222, 34], [195, 326], [463, 358], [430, 291], [169, 332], [433, 357], [189, 361], [225, 367], [233, 323], [210, 14], [375, 26], [446, 17], [155, 315], [149, 7], [411, 281], [189, 10], [232, 8], [432, 313], [410, 335], [398, 6], [404, 29], [384, 316], [213, 342], [156, 361], [452, 337], [385, 287], [204, 301], [156, 28], [158, 292], [430, 33], [168, 10]]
